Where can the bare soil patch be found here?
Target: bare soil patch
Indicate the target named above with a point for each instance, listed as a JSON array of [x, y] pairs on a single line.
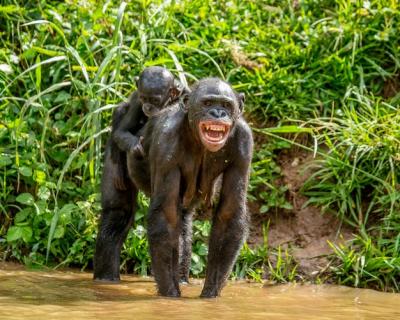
[[304, 229]]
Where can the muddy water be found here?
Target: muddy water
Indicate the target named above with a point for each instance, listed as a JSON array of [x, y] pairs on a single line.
[[69, 295]]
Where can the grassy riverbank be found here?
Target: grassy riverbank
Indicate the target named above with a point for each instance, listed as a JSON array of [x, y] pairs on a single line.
[[319, 76]]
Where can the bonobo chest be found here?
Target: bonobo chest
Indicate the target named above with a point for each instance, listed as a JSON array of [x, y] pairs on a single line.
[[199, 174]]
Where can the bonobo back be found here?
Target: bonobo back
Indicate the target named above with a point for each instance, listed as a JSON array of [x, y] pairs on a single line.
[[157, 90]]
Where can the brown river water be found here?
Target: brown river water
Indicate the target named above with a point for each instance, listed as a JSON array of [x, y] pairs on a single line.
[[73, 295]]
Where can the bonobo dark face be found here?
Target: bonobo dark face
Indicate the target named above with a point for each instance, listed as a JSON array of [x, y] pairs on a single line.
[[155, 86], [213, 107]]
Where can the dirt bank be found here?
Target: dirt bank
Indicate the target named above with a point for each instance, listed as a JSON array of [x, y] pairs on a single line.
[[304, 230]]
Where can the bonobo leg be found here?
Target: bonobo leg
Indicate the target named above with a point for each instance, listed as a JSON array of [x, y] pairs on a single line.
[[116, 219], [163, 231], [230, 226], [185, 245]]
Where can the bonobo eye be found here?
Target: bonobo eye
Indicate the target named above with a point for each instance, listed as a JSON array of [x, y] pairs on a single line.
[[207, 103], [227, 105], [154, 101]]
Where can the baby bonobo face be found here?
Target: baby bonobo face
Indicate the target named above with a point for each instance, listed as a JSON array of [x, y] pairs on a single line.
[[152, 104], [155, 89]]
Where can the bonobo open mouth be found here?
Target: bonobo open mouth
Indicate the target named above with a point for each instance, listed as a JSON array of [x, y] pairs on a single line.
[[214, 134]]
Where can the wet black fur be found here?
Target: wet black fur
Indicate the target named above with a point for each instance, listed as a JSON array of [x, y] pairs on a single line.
[[182, 175]]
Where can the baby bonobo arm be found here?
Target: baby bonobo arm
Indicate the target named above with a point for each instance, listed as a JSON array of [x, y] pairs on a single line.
[[125, 133], [128, 117], [118, 157]]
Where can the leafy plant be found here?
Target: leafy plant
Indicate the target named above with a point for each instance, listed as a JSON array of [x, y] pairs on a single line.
[[326, 67]]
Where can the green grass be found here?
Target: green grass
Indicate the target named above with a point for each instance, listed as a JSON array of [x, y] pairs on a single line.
[[323, 68]]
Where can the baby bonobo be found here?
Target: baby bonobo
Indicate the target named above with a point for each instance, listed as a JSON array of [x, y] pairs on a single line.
[[156, 89]]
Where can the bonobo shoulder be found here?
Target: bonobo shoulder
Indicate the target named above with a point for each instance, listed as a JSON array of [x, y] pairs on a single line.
[[166, 128], [170, 120], [244, 128], [243, 140]]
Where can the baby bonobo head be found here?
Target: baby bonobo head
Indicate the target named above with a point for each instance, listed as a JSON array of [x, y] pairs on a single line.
[[213, 108], [157, 88]]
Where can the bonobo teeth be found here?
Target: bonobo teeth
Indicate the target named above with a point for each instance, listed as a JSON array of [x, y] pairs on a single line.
[[214, 132], [215, 128]]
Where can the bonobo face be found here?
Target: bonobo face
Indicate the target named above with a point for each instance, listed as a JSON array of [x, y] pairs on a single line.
[[213, 107], [154, 89]]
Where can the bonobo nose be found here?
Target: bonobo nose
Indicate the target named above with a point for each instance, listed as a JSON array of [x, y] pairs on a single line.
[[217, 113]]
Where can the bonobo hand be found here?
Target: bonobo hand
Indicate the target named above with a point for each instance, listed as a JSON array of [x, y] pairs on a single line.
[[137, 150]]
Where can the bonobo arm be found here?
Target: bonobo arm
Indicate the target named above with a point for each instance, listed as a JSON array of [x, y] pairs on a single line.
[[230, 222], [123, 134], [118, 157]]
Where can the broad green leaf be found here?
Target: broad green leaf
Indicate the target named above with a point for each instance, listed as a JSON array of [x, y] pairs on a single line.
[[14, 233], [25, 171], [5, 160], [26, 233], [59, 232], [65, 213], [25, 198], [63, 96], [43, 193], [22, 215]]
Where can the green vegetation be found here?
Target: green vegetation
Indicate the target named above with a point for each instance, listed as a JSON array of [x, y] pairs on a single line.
[[327, 70]]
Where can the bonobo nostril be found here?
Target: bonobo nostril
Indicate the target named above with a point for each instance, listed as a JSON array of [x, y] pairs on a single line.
[[217, 113], [214, 113]]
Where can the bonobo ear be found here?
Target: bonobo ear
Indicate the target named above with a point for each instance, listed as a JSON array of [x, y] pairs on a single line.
[[184, 100], [241, 99], [178, 90], [174, 93], [136, 79]]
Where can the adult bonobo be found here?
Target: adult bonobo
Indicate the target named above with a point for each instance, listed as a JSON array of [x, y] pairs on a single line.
[[187, 152]]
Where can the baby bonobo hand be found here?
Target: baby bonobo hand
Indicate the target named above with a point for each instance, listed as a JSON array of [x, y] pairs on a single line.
[[137, 150]]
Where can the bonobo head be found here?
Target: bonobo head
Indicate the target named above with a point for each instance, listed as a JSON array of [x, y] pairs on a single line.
[[157, 87], [213, 107]]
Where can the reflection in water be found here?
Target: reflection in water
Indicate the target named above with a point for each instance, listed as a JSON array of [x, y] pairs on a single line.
[[68, 295]]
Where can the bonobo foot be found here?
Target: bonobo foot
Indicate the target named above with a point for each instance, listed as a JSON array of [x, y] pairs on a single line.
[[171, 292], [209, 292], [184, 280], [107, 281]]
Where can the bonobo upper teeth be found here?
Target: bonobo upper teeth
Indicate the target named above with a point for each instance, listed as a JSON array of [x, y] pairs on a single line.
[[214, 127], [217, 128]]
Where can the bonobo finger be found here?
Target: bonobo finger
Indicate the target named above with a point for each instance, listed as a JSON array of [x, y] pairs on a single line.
[[119, 184], [137, 151], [140, 150], [141, 139]]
